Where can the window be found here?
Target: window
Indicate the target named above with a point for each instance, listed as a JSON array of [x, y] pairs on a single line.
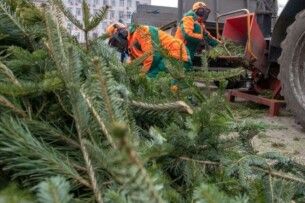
[[129, 15], [121, 3], [71, 2], [113, 3], [105, 2], [121, 14], [95, 2], [111, 14], [78, 11], [71, 10], [79, 1], [129, 3]]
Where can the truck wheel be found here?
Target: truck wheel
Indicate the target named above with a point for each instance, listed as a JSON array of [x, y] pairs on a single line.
[[292, 68]]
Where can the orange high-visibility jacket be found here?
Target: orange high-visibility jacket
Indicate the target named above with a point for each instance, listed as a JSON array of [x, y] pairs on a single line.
[[192, 32], [140, 42]]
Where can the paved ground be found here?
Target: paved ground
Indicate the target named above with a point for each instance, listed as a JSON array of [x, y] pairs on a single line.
[[283, 133]]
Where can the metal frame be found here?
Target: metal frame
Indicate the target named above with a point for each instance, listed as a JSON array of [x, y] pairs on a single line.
[[273, 104]]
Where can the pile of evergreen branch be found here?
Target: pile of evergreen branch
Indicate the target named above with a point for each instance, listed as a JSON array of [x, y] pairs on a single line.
[[76, 125], [227, 48]]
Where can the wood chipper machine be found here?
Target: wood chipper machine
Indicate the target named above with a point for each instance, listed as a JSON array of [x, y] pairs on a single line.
[[276, 56], [243, 29]]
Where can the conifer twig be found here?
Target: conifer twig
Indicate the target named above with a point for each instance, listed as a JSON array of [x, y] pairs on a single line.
[[99, 119], [280, 175], [91, 172], [200, 161], [225, 47], [62, 105], [179, 106], [270, 172], [39, 111], [121, 131], [270, 184], [7, 72], [103, 86], [8, 104]]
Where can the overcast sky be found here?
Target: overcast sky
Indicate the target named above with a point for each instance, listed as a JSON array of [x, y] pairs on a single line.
[[173, 3]]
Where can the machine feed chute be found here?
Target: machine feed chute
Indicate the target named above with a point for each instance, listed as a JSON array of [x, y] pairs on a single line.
[[244, 30]]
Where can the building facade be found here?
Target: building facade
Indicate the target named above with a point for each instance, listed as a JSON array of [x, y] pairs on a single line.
[[120, 10]]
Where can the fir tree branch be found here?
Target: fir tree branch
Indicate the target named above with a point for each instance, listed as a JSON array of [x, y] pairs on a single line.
[[30, 157], [211, 194], [200, 161], [68, 63], [269, 172], [121, 131], [9, 74], [54, 190], [86, 15], [30, 88], [48, 130], [59, 4], [104, 88], [2, 36], [91, 172], [86, 21], [62, 105], [179, 106], [8, 104], [42, 107], [208, 76], [271, 185], [97, 18], [280, 175], [12, 24], [134, 64], [99, 120]]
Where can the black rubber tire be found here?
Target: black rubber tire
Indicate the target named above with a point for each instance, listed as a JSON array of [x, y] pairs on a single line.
[[292, 68]]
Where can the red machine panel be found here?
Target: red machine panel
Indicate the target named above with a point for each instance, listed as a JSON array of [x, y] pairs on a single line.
[[243, 29]]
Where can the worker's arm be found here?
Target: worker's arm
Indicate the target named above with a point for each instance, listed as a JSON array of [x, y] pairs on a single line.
[[212, 41], [190, 31], [146, 49], [147, 63], [145, 56]]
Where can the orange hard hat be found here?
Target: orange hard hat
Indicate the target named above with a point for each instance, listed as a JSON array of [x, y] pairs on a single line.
[[113, 28], [199, 5]]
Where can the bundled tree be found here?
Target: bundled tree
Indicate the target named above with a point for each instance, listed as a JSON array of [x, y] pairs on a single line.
[[78, 126]]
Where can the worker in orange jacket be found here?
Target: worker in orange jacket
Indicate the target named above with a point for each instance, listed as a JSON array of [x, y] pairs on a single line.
[[152, 44], [192, 31]]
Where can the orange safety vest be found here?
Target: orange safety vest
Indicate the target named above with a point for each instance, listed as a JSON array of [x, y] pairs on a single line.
[[151, 41]]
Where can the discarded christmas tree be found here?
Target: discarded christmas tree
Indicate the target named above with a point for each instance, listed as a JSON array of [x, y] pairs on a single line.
[[79, 126]]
